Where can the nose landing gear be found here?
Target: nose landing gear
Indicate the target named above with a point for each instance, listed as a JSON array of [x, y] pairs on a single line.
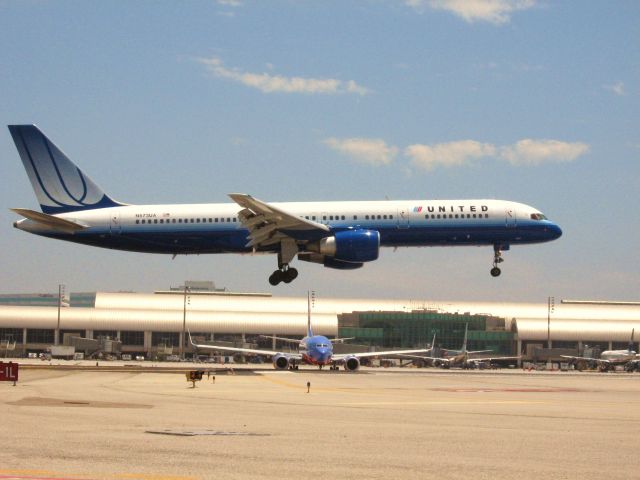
[[497, 258]]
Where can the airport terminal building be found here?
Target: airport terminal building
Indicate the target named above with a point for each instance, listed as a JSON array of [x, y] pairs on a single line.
[[153, 324]]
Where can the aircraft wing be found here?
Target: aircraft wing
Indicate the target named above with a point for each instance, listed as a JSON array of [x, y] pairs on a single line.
[[587, 359], [390, 353], [491, 359], [252, 351], [283, 339], [268, 225], [341, 340]]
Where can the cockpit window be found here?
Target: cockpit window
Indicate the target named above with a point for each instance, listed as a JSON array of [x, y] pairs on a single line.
[[538, 216]]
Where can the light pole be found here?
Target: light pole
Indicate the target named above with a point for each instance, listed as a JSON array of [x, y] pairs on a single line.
[[184, 322], [311, 302], [551, 304], [60, 295]]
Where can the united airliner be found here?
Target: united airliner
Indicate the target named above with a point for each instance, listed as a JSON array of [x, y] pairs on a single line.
[[463, 357], [338, 235], [609, 359]]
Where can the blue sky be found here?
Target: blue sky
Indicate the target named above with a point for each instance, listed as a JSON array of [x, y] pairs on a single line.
[[172, 102]]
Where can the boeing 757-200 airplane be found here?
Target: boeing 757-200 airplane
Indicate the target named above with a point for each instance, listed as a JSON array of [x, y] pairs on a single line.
[[340, 235]]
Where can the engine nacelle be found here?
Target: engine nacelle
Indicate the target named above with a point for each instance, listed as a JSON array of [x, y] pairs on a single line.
[[351, 363], [328, 262], [280, 362], [351, 246], [340, 265]]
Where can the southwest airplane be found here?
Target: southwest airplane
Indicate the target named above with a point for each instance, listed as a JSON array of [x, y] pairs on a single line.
[[340, 235], [312, 350]]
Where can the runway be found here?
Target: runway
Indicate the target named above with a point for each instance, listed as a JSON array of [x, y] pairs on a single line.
[[262, 424]]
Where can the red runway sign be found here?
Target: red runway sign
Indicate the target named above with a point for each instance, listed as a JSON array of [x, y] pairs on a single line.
[[8, 372]]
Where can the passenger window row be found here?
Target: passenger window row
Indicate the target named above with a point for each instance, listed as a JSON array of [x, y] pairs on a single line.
[[187, 220], [355, 217]]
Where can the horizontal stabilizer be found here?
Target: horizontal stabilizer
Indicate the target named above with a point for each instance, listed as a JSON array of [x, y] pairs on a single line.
[[50, 221]]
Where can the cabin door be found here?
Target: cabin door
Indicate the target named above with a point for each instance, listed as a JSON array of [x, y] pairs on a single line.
[[510, 217], [403, 217], [114, 225]]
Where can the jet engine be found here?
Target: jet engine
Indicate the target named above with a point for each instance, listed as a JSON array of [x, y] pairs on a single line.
[[280, 362], [351, 363], [350, 246]]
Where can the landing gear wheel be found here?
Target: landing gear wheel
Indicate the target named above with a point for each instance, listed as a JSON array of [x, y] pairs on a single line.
[[495, 272], [290, 275], [284, 274], [276, 278]]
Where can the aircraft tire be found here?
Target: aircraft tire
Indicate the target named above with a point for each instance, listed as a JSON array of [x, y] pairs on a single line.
[[275, 278], [290, 275], [495, 272]]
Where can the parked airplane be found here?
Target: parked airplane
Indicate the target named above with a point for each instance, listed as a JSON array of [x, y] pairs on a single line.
[[461, 358], [312, 350], [609, 359], [340, 235]]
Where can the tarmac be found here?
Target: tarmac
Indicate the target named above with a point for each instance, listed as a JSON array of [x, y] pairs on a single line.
[[119, 422]]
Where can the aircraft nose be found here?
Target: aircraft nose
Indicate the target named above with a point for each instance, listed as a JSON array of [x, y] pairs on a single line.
[[323, 354], [555, 231]]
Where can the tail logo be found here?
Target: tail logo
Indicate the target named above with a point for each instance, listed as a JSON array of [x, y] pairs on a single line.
[[60, 186]]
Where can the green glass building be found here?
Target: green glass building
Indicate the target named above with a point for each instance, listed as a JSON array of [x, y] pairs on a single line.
[[417, 328]]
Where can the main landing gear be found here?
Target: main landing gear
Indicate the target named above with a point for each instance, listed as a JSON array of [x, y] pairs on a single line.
[[497, 258], [288, 250], [284, 274]]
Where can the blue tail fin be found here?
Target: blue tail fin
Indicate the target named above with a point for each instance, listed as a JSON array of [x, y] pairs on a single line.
[[59, 184]]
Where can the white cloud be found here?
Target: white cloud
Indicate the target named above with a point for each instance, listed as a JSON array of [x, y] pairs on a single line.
[[268, 83], [230, 3], [371, 151], [448, 154], [535, 152], [525, 152], [465, 152], [497, 12], [617, 88]]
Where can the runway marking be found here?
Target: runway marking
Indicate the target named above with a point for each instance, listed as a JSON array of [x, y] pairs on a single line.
[[48, 475], [444, 402], [57, 402], [29, 474], [510, 390], [303, 387], [143, 476]]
